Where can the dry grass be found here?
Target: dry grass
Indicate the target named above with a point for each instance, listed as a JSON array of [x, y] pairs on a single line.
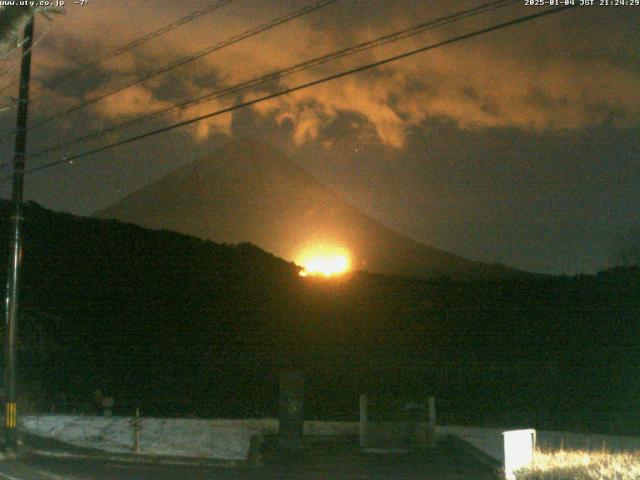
[[582, 465]]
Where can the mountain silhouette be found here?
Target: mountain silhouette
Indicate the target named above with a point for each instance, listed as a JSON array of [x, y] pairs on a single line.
[[249, 191], [180, 326]]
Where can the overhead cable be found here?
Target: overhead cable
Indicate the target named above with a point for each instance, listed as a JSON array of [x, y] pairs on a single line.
[[185, 60], [279, 74], [302, 86]]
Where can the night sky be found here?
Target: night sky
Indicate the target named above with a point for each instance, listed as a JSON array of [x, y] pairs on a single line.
[[519, 147]]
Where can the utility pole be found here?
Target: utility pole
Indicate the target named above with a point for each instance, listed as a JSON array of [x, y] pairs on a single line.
[[15, 255], [13, 19]]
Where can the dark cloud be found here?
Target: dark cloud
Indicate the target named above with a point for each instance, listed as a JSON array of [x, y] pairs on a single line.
[[565, 71], [515, 147]]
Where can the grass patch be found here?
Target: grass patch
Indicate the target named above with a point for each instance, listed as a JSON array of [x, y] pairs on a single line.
[[581, 465]]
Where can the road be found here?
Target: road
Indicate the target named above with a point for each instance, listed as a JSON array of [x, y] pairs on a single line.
[[326, 462]]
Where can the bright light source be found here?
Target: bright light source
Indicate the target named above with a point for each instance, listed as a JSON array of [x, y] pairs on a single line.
[[518, 450], [326, 262], [327, 266]]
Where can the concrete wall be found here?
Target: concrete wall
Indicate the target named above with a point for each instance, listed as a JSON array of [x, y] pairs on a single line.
[[389, 434], [198, 438], [230, 439], [330, 429], [487, 440]]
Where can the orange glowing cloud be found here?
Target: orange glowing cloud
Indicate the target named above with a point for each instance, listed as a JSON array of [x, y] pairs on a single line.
[[505, 79], [129, 102]]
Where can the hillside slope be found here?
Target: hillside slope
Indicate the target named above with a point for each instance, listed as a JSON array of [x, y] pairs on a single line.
[[180, 326], [251, 192]]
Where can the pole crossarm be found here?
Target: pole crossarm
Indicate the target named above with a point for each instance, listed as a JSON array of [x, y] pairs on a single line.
[[13, 20]]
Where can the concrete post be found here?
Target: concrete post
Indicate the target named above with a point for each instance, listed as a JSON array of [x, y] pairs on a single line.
[[136, 425], [363, 421], [290, 429], [432, 411], [431, 424]]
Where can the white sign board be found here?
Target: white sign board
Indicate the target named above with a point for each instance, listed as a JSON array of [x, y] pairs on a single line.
[[518, 450]]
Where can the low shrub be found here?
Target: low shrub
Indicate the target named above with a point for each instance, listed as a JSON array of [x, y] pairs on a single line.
[[581, 465]]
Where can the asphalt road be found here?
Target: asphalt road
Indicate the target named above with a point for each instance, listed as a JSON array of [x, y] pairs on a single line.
[[326, 462]]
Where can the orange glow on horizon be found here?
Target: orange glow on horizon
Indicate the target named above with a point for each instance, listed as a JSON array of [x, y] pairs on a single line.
[[326, 262]]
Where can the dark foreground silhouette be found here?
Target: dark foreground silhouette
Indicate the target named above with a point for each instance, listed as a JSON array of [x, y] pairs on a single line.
[[183, 327]]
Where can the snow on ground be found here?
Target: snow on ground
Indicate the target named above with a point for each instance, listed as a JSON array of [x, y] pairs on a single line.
[[185, 437], [198, 438], [230, 439]]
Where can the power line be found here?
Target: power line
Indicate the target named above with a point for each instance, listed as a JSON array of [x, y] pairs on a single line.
[[385, 39], [11, 82], [12, 20], [304, 86], [191, 58], [14, 66], [119, 51], [139, 41], [5, 56]]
